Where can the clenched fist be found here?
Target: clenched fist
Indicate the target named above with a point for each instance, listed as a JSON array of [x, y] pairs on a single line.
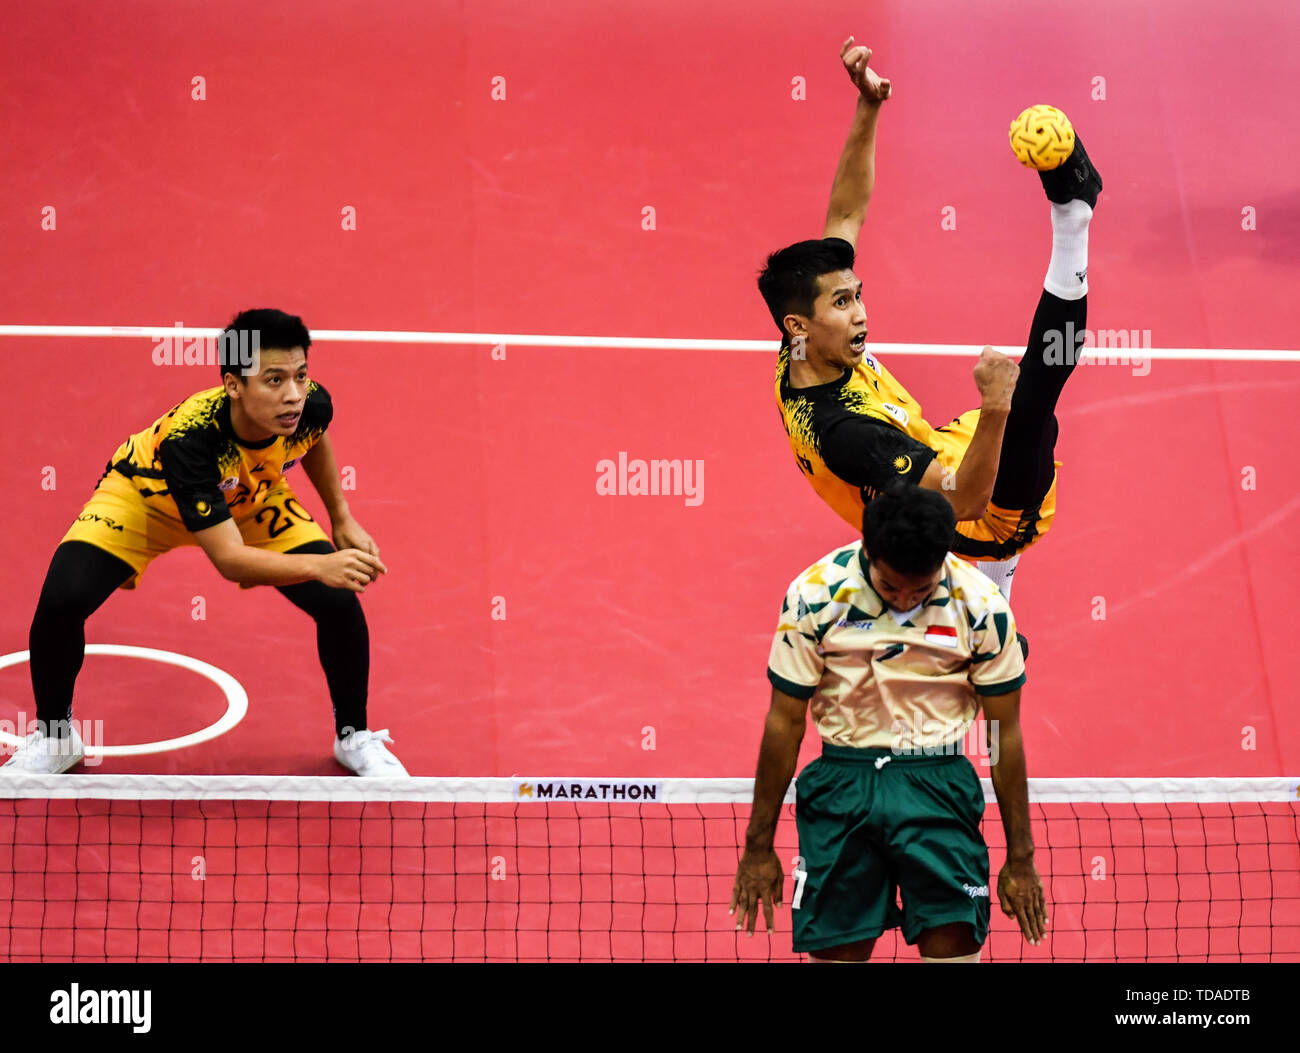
[[995, 376]]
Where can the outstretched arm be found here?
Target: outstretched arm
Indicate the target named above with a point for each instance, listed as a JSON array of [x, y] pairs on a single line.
[[1020, 890], [856, 175], [759, 877]]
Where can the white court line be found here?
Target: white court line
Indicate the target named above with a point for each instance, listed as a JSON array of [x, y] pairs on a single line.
[[649, 343], [236, 700]]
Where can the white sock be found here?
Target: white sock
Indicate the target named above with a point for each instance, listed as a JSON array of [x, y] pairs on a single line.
[[1067, 273], [1000, 573], [972, 959]]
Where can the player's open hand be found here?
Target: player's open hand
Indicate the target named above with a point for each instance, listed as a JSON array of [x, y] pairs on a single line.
[[1020, 893], [759, 880], [872, 86], [350, 568]]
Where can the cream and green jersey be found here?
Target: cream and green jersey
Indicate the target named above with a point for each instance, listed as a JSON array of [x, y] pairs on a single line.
[[882, 678]]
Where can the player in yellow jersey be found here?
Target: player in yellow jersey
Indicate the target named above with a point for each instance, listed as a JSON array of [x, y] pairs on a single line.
[[212, 472], [854, 429]]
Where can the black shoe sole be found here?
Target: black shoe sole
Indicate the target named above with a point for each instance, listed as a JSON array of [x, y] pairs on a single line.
[[1076, 180]]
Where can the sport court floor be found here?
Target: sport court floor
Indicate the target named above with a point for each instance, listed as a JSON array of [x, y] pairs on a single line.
[[631, 619]]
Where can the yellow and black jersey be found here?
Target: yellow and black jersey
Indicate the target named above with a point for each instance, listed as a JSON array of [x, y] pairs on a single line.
[[189, 464], [857, 436]]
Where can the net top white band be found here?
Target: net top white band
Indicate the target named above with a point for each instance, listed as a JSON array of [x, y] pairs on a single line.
[[538, 792]]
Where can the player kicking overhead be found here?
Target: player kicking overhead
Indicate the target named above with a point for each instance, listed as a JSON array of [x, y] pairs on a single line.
[[211, 472], [856, 432]]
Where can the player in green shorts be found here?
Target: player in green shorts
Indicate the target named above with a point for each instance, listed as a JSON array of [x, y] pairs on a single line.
[[897, 644]]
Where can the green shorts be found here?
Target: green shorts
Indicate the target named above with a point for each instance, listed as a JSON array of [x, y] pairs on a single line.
[[867, 832]]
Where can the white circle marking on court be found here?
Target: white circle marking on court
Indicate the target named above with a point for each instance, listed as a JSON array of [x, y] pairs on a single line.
[[236, 699]]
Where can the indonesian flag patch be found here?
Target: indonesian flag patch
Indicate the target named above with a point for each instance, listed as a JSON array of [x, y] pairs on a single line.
[[943, 635]]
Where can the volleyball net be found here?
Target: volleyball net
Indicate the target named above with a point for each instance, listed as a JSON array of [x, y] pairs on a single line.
[[121, 868]]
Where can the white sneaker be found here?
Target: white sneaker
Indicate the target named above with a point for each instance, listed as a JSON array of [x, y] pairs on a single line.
[[365, 753], [41, 755]]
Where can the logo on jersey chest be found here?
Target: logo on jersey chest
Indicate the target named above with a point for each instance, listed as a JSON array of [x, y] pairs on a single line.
[[229, 483], [289, 464], [897, 412], [871, 364]]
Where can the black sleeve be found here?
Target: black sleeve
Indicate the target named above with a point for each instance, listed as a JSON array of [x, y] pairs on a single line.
[[189, 464], [870, 453], [317, 412]]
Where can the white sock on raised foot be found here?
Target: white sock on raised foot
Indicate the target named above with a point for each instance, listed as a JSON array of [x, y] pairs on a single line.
[[1000, 573], [1067, 273]]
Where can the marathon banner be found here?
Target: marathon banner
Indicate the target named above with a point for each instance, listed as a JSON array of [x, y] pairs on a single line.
[[542, 790]]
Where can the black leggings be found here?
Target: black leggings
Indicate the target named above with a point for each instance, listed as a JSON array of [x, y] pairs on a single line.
[[81, 577], [1029, 442]]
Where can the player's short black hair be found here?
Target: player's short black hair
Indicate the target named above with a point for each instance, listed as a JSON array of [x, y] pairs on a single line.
[[276, 331], [789, 281], [910, 529]]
